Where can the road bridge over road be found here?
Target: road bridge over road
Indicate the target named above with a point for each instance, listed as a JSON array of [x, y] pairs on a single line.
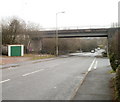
[[37, 36], [71, 33]]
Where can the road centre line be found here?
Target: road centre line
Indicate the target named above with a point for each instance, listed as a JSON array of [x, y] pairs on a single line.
[[95, 67], [32, 72], [4, 81], [89, 69]]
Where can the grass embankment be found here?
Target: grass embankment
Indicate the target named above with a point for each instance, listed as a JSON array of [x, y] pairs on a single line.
[[116, 86], [36, 57]]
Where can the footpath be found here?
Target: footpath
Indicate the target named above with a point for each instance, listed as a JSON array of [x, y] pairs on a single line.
[[96, 86]]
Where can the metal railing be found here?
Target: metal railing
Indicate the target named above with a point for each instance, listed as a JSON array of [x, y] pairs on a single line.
[[76, 27]]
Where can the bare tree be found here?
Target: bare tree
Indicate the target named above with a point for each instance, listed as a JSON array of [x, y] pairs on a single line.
[[12, 31]]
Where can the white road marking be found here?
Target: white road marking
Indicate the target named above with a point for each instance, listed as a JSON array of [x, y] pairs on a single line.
[[32, 72], [89, 69], [95, 67], [4, 81]]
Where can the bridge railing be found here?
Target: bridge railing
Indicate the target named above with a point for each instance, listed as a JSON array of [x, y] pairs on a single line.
[[76, 27]]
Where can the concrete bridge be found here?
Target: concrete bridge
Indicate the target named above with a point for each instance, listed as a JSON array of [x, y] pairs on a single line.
[[37, 36], [71, 33]]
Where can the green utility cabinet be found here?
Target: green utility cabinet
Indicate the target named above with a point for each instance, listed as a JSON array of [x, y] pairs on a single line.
[[15, 50]]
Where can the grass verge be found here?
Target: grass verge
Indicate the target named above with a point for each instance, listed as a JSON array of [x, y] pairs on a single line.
[[36, 57]]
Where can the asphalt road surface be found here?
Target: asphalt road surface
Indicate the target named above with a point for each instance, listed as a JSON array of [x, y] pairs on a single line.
[[55, 79]]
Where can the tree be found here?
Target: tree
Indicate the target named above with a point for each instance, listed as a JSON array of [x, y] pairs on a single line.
[[12, 31], [48, 45], [88, 44]]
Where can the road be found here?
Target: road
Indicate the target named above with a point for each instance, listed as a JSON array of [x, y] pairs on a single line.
[[55, 79]]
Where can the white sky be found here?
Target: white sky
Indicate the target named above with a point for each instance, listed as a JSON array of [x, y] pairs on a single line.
[[77, 12]]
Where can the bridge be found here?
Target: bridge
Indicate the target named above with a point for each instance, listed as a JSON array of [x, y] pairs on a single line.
[[71, 33], [109, 33]]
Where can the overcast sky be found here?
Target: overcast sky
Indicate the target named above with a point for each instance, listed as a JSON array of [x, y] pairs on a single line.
[[77, 12]]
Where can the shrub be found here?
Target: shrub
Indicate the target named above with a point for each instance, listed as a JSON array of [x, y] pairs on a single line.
[[113, 61], [117, 84]]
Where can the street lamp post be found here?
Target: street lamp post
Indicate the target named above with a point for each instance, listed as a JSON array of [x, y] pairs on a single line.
[[57, 48]]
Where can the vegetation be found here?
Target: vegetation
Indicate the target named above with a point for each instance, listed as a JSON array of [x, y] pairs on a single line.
[[114, 55], [113, 61], [71, 45], [15, 31], [11, 30], [36, 57], [117, 85]]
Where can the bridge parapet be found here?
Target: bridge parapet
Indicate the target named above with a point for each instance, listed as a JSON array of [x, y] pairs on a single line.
[[100, 32]]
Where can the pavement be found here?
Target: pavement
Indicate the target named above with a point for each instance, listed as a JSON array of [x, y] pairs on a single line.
[[96, 85], [65, 78]]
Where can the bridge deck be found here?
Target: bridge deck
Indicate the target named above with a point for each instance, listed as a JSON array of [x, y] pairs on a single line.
[[101, 32]]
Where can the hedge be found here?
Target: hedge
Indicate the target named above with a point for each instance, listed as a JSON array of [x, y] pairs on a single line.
[[117, 84], [113, 61]]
